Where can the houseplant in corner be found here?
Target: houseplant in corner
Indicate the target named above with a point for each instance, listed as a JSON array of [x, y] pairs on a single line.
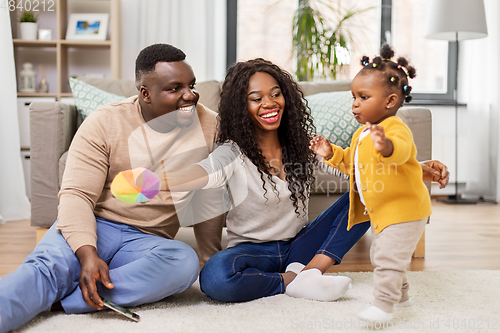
[[28, 25], [321, 38]]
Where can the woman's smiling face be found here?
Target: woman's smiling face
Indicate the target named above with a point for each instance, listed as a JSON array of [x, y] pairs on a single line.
[[265, 101]]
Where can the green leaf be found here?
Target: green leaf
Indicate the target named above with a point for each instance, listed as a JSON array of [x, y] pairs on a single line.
[[316, 43], [28, 16]]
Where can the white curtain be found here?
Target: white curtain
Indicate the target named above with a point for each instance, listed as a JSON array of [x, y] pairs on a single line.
[[14, 204], [480, 81], [198, 27]]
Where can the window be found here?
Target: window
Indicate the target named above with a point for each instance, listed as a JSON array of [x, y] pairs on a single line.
[[265, 30], [404, 25], [262, 28]]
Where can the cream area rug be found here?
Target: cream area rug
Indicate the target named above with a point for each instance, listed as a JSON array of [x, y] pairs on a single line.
[[444, 301]]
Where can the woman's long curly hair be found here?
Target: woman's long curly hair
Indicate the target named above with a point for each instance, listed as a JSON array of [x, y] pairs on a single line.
[[295, 131]]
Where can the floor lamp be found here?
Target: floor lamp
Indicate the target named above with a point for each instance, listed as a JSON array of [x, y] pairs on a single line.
[[456, 20]]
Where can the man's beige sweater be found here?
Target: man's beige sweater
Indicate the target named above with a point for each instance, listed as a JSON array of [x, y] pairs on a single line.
[[115, 138]]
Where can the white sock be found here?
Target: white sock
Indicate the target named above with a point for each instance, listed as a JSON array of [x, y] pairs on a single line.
[[311, 284], [404, 304], [374, 314], [295, 267]]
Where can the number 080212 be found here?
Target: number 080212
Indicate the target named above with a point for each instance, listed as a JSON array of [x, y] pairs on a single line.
[[28, 5]]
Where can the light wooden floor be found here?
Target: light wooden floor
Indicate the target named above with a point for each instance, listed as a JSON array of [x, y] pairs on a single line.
[[458, 237]]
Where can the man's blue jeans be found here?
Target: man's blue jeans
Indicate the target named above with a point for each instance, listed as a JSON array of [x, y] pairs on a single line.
[[249, 271], [143, 268]]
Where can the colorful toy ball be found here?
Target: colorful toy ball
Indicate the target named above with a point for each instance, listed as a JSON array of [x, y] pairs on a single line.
[[135, 186]]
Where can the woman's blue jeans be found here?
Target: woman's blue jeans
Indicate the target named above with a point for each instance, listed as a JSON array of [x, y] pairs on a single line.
[[249, 271]]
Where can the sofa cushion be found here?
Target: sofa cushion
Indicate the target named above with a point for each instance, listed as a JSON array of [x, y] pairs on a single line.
[[62, 166], [332, 114], [115, 86], [316, 87], [209, 94], [88, 98]]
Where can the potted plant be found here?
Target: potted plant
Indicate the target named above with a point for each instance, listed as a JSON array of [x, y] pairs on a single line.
[[318, 44], [28, 25]]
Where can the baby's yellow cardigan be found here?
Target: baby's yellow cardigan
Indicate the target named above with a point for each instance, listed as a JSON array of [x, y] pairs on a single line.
[[393, 188]]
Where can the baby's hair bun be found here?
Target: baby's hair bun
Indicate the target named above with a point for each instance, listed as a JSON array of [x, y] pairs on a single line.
[[406, 89], [386, 52], [365, 61], [409, 70], [412, 72], [402, 62]]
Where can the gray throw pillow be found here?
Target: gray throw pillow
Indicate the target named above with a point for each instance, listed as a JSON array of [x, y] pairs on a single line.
[[88, 98], [332, 114]]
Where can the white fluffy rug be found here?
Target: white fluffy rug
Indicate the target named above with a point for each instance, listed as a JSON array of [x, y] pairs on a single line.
[[444, 301]]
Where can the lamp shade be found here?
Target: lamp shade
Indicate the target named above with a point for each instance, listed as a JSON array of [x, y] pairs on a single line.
[[456, 20]]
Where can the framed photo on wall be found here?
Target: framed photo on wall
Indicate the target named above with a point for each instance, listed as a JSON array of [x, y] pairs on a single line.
[[87, 27]]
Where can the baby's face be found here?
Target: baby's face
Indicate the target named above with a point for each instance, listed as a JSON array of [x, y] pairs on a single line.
[[370, 99]]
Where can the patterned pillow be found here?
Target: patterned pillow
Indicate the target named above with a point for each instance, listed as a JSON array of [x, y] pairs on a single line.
[[88, 98], [332, 114]]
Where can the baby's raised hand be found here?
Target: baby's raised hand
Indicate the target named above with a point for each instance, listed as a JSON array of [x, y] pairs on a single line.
[[380, 142], [321, 146]]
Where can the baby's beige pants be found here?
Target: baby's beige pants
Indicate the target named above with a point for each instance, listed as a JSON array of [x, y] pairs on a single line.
[[390, 253]]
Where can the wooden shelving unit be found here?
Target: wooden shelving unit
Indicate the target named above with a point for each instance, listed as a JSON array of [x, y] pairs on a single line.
[[61, 47]]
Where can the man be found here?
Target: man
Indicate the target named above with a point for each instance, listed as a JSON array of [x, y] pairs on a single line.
[[101, 246]]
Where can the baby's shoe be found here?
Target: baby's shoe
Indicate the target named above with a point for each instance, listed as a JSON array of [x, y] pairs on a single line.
[[404, 304], [374, 314]]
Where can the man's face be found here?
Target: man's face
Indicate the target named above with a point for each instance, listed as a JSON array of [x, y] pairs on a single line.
[[169, 87]]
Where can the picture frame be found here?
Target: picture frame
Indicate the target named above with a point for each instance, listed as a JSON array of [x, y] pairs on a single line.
[[87, 26]]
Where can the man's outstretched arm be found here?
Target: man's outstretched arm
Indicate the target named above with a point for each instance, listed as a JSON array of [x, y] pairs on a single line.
[[209, 237]]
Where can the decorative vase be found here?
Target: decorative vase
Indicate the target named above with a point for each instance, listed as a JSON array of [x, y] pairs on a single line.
[[28, 77], [28, 30], [43, 87]]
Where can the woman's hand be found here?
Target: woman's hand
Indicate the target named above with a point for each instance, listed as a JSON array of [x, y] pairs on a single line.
[[93, 269], [435, 171], [321, 146]]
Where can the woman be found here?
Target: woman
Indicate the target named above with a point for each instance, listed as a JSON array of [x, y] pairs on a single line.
[[264, 158]]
